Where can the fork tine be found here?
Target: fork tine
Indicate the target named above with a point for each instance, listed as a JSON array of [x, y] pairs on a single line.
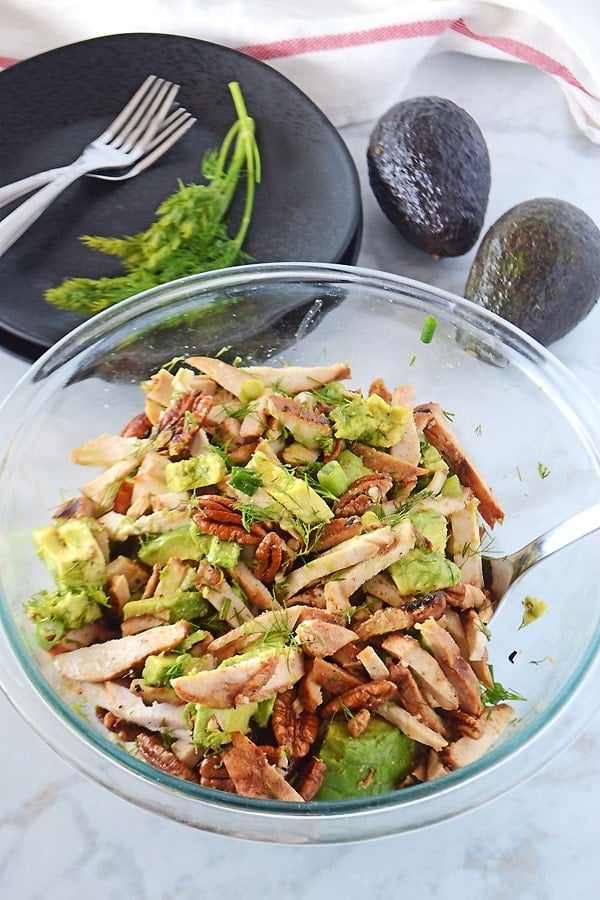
[[143, 128], [177, 117], [151, 83], [163, 141]]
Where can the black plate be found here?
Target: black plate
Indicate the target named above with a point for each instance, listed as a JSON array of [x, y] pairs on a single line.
[[307, 207]]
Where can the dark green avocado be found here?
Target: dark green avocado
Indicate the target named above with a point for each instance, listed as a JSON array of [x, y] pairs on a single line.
[[539, 267], [429, 169]]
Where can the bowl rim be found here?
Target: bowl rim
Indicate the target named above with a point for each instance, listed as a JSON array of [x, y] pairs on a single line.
[[491, 769]]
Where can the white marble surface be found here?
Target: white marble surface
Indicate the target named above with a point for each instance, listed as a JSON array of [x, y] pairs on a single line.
[[63, 837]]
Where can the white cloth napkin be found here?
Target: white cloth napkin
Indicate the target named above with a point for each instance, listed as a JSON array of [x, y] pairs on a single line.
[[351, 57]]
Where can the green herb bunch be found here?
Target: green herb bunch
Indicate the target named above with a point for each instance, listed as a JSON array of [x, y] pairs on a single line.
[[190, 233]]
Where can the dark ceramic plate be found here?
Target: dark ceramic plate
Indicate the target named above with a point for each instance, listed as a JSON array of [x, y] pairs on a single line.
[[307, 207]]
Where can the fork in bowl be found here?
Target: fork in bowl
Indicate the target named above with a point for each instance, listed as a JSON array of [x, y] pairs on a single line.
[[142, 131]]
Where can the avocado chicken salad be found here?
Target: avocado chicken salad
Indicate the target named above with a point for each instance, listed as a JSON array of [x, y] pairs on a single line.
[[274, 588]]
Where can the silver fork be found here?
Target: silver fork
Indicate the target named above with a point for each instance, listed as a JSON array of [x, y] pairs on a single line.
[[124, 142], [501, 573], [173, 128]]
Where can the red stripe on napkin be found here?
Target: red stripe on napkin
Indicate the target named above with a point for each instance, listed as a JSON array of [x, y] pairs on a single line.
[[521, 51], [409, 30], [320, 42], [6, 61]]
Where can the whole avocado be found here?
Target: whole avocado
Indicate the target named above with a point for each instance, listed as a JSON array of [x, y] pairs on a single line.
[[539, 267], [429, 169]]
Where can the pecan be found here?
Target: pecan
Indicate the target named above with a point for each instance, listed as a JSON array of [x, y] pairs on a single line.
[[218, 515], [183, 420], [335, 452], [358, 723], [337, 531], [139, 427], [175, 413], [155, 753], [272, 556], [293, 726], [213, 774], [311, 778], [367, 696], [363, 493], [125, 731], [188, 426]]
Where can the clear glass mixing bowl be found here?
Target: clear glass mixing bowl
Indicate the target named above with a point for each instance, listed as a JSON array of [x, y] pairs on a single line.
[[518, 411]]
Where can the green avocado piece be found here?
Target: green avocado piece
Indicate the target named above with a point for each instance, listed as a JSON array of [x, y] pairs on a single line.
[[539, 267], [72, 551], [429, 169], [182, 543], [421, 571], [433, 526], [372, 763]]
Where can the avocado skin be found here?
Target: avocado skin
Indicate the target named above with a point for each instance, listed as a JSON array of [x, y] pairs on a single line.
[[429, 169], [539, 267]]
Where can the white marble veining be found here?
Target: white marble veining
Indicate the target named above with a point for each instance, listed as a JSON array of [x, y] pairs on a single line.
[[62, 836]]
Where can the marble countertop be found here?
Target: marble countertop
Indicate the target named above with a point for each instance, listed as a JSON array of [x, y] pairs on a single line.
[[62, 836]]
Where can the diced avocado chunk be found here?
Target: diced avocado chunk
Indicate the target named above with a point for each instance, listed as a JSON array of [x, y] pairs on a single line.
[[421, 571], [213, 727], [221, 553], [188, 543], [71, 552], [352, 465], [371, 421], [195, 472], [182, 543], [57, 612], [432, 460], [294, 494], [452, 487], [156, 667], [160, 668], [432, 525], [372, 763], [188, 605]]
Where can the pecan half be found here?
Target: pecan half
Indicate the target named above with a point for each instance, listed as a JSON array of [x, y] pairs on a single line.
[[213, 774], [311, 778], [218, 515], [140, 427], [155, 753], [125, 731], [337, 531], [293, 727], [272, 556], [367, 696], [363, 493]]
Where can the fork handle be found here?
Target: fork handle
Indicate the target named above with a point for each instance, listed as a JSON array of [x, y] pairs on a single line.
[[19, 220], [10, 192]]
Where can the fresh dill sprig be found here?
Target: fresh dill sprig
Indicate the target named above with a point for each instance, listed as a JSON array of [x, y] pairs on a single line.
[[189, 234]]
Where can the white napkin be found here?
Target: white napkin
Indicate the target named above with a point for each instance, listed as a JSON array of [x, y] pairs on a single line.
[[351, 57]]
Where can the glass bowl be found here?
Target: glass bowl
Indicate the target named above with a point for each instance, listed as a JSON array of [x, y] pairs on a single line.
[[530, 426]]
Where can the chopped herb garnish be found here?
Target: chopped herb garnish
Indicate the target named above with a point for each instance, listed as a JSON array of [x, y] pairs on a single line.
[[244, 480], [189, 234], [497, 693], [543, 471], [428, 329]]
